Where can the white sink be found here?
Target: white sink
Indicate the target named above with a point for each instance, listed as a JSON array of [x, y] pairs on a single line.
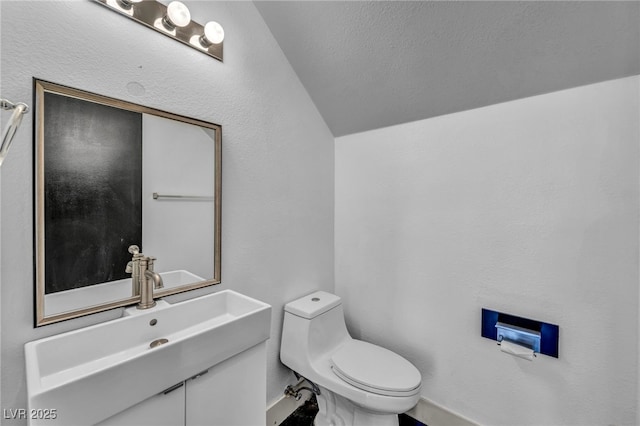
[[78, 298], [90, 374], [179, 278]]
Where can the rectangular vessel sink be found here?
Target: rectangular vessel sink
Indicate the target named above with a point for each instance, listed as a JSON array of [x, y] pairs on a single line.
[[179, 278], [95, 372]]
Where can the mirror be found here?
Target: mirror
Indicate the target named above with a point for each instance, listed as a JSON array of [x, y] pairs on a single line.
[[110, 174]]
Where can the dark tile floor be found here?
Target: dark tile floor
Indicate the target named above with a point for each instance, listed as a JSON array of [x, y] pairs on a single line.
[[305, 414]]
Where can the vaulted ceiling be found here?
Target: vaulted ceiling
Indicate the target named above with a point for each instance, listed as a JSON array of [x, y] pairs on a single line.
[[371, 64]]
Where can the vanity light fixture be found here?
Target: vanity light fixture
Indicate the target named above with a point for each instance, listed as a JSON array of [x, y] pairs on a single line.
[[123, 6], [126, 4], [173, 20]]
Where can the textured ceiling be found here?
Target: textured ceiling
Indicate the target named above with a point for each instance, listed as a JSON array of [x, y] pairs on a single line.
[[370, 64]]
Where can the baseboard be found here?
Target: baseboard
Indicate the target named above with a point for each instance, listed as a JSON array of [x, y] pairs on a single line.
[[432, 414], [427, 412], [283, 407]]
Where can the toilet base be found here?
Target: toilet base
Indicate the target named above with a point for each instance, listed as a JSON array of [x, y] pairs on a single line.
[[335, 410]]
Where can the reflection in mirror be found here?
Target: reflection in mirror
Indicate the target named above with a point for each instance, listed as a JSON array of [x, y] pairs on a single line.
[[109, 175]]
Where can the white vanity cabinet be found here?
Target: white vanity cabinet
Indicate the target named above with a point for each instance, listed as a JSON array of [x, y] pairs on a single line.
[[212, 346], [231, 393], [164, 409]]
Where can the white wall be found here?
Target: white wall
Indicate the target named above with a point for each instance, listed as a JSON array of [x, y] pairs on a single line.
[[277, 207], [528, 207]]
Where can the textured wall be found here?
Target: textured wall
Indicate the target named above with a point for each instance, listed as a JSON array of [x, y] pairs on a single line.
[[528, 207], [277, 214]]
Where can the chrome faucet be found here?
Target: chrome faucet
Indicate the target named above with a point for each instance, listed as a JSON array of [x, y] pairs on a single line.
[[144, 279]]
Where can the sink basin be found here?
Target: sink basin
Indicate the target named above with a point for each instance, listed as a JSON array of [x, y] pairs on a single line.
[[179, 278], [72, 300], [92, 373]]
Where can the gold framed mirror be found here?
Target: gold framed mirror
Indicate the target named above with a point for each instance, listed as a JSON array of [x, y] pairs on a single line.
[[111, 174]]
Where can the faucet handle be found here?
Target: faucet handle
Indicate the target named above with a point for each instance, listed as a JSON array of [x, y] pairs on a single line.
[[129, 268], [133, 249]]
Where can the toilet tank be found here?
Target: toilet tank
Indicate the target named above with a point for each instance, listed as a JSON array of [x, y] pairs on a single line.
[[313, 325], [312, 305]]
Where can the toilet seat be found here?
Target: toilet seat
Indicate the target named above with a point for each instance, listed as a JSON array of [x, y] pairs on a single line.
[[375, 369]]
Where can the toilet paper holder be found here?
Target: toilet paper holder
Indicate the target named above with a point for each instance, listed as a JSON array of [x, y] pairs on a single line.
[[519, 335], [540, 337]]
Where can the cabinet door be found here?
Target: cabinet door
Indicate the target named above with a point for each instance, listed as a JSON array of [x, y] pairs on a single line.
[[164, 409], [232, 393]]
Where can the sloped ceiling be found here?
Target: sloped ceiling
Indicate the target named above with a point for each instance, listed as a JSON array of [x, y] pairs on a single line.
[[371, 64]]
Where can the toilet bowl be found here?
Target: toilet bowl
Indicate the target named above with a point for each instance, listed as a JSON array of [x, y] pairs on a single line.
[[360, 383]]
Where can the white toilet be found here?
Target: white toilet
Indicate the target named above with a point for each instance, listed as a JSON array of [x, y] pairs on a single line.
[[360, 383]]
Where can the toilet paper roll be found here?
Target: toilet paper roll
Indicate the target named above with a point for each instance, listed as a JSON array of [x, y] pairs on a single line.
[[516, 350]]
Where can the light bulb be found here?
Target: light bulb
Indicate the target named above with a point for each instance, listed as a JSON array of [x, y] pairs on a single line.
[[213, 34], [125, 6], [177, 15]]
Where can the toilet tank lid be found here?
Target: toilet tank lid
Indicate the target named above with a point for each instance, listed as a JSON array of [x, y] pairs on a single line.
[[312, 305]]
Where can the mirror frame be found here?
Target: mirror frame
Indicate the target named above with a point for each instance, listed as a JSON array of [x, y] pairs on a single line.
[[40, 88]]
